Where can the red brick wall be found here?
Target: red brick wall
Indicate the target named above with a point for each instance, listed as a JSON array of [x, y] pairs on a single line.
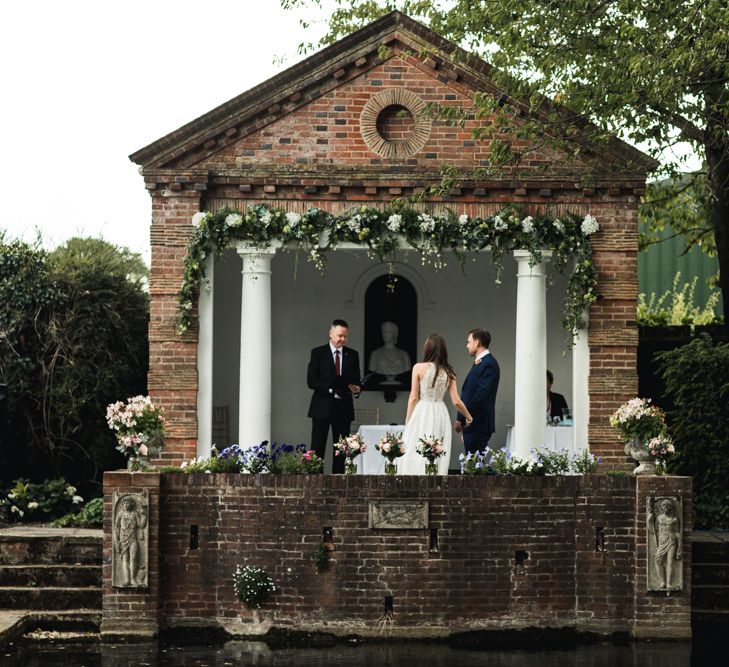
[[470, 582]]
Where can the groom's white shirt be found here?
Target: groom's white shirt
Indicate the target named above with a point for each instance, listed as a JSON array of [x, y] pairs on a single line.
[[482, 355]]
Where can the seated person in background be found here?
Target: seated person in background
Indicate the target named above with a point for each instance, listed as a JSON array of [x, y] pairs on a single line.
[[556, 403]]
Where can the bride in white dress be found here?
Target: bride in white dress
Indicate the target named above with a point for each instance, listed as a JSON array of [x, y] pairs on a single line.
[[427, 413]]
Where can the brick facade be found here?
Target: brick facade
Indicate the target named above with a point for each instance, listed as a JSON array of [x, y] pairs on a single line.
[[296, 141], [499, 552]]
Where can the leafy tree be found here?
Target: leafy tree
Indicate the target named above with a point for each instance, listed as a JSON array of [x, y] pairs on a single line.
[[653, 72], [73, 338]]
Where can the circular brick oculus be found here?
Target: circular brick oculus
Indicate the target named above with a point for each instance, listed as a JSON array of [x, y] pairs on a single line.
[[393, 124]]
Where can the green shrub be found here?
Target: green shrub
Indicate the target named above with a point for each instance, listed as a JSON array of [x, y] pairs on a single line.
[[696, 378], [91, 516], [676, 306], [26, 501], [252, 585]]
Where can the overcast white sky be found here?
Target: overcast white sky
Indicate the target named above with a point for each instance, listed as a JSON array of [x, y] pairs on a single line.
[[85, 83]]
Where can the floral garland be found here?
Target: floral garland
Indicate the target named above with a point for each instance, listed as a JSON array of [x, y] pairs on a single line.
[[384, 232]]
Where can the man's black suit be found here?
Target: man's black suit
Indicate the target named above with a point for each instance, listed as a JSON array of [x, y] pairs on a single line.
[[557, 403], [326, 410]]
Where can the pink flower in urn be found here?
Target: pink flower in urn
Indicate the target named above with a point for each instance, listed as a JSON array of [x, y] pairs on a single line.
[[307, 455]]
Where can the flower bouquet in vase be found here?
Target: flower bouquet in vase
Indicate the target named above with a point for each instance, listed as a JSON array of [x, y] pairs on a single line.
[[139, 427], [391, 446], [349, 447], [639, 422], [431, 449]]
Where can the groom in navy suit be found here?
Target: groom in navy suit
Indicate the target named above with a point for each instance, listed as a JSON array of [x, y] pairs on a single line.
[[479, 393], [333, 374]]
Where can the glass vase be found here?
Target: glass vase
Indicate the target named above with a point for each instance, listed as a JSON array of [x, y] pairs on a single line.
[[390, 468], [350, 468], [431, 468]]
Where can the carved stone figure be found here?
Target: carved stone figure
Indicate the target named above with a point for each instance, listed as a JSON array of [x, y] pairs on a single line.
[[389, 360], [398, 514], [129, 540], [665, 544]]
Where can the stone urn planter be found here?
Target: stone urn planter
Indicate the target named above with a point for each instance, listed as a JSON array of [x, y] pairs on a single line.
[[637, 451]]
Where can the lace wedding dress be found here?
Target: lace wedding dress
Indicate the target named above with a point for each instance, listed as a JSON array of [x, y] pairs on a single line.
[[430, 417]]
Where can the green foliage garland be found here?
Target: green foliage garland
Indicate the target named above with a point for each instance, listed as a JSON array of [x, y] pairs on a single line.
[[384, 232]]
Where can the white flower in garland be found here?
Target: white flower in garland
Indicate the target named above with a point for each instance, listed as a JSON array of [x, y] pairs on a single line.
[[558, 225], [199, 219], [463, 219], [354, 223], [499, 224], [589, 225], [394, 222], [293, 219], [266, 218], [427, 223], [527, 224], [233, 220]]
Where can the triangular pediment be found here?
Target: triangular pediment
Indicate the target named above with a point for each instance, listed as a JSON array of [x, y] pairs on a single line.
[[322, 114]]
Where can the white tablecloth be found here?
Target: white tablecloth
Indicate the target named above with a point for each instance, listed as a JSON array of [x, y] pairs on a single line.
[[555, 439], [372, 462]]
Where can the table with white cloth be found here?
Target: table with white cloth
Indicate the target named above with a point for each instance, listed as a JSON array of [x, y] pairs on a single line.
[[372, 462], [556, 439]]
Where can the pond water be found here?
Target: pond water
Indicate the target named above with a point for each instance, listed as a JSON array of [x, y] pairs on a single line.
[[90, 654]]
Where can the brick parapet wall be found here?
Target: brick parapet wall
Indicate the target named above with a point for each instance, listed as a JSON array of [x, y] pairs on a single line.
[[470, 580]]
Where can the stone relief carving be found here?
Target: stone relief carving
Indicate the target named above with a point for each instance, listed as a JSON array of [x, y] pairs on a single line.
[[398, 514], [665, 543], [130, 540]]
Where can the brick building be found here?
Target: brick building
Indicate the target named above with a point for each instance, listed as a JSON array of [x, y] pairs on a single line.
[[342, 128], [482, 553]]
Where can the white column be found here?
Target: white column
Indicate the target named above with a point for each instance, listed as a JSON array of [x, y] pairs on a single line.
[[580, 388], [530, 401], [205, 362], [254, 399]]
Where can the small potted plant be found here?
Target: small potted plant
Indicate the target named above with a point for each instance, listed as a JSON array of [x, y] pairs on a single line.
[[349, 447], [139, 426], [430, 448], [391, 446]]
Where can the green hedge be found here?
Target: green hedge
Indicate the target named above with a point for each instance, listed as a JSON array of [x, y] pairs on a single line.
[[696, 378]]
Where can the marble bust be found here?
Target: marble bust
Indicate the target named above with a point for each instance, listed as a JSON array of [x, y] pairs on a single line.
[[388, 359]]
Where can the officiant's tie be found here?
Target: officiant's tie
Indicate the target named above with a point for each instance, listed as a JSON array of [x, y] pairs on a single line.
[[337, 364]]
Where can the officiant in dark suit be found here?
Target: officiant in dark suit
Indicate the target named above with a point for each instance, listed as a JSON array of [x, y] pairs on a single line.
[[479, 393], [333, 374]]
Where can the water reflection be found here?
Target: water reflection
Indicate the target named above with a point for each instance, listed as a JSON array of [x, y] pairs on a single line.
[[423, 654]]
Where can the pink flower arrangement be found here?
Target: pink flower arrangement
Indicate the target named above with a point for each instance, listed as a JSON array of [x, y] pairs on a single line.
[[350, 446], [430, 448], [135, 423], [391, 446], [661, 446], [638, 419]]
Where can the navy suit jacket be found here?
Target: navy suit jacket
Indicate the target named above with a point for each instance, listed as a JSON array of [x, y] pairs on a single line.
[[479, 395], [321, 376]]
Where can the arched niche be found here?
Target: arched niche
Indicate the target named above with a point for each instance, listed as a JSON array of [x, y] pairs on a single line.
[[390, 333]]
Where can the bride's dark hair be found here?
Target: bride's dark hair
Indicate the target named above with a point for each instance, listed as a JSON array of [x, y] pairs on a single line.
[[435, 351]]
